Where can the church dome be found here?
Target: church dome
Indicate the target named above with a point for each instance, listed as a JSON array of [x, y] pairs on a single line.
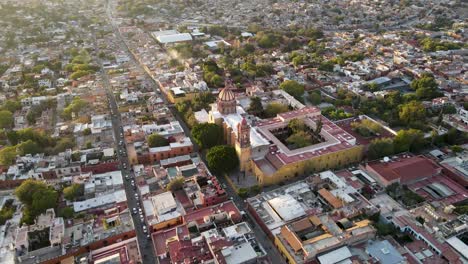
[[226, 95]]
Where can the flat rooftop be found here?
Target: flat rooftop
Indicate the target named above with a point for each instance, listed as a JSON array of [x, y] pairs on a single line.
[[283, 205], [335, 138]]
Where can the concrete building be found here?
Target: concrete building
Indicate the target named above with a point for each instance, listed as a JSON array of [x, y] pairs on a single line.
[[262, 153]]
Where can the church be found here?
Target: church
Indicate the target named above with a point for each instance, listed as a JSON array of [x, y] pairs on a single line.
[[263, 154]]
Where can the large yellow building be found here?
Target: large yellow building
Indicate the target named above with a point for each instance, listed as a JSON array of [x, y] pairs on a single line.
[[268, 158]]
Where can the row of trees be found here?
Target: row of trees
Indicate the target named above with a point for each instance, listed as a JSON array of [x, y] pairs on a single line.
[[412, 140], [187, 108], [405, 140], [221, 158], [30, 141], [36, 197], [74, 108], [293, 88], [271, 109]]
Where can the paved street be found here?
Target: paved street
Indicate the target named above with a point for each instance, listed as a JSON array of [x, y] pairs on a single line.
[[144, 240], [273, 253]]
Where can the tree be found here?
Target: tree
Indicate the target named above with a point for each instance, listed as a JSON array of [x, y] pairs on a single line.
[[296, 125], [87, 131], [380, 147], [27, 189], [412, 112], [6, 119], [155, 140], [373, 87], [274, 108], [408, 140], [300, 139], [266, 40], [7, 211], [43, 199], [73, 191], [88, 145], [318, 127], [75, 107], [7, 155], [66, 212], [37, 197], [207, 135], [12, 105], [293, 88], [217, 81], [426, 87], [222, 159], [326, 66], [366, 127], [175, 184], [243, 192], [314, 97], [456, 148], [255, 106], [63, 144], [28, 147]]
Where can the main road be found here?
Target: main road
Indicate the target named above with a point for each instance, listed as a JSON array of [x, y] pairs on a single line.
[[133, 199], [273, 254]]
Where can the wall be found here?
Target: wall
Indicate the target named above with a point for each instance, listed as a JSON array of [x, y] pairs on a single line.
[[283, 250], [92, 246], [324, 162], [150, 158], [101, 168]]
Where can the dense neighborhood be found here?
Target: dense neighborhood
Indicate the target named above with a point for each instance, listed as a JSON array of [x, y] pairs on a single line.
[[233, 132]]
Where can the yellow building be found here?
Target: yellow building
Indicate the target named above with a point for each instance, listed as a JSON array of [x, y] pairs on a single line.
[[268, 158], [177, 95], [301, 241]]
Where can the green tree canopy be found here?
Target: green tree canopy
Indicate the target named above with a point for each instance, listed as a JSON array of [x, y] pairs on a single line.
[[314, 97], [66, 212], [300, 139], [293, 88], [6, 119], [156, 140], [176, 184], [11, 105], [222, 159], [380, 147], [27, 189], [37, 197], [73, 191], [409, 140], [207, 135], [274, 108], [255, 107], [426, 87], [366, 127], [296, 125], [43, 199], [75, 107], [28, 147], [412, 112], [7, 155]]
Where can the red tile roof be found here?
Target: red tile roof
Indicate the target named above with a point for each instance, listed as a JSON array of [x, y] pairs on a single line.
[[406, 169], [228, 207], [160, 238], [446, 250]]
